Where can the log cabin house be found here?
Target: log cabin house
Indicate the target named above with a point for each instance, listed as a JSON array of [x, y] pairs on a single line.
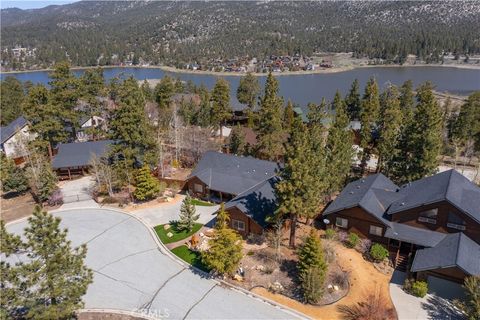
[[246, 185], [430, 226]]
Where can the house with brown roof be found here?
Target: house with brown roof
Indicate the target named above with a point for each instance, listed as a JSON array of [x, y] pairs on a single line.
[[432, 224]]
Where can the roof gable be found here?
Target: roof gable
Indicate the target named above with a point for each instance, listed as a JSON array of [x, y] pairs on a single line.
[[8, 131], [455, 250], [232, 174], [257, 202], [448, 186]]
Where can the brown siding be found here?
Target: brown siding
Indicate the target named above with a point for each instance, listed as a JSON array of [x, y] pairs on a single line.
[[452, 274], [250, 225], [359, 222], [190, 186], [410, 217]]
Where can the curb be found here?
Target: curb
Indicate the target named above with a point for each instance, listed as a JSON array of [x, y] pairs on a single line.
[[118, 312], [163, 249]]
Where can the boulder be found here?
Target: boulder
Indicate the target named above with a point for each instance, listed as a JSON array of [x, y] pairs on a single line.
[[169, 235], [167, 226]]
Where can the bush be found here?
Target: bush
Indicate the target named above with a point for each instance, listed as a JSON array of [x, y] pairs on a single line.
[[330, 233], [342, 236], [312, 284], [378, 252], [56, 198], [419, 288], [364, 245], [352, 240]]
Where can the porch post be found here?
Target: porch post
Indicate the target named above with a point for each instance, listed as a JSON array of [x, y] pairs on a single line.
[[69, 174]]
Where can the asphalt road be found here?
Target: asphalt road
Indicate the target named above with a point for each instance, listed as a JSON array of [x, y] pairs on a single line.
[[131, 273]]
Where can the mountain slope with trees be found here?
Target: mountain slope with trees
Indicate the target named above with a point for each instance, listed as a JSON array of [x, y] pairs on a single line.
[[175, 33]]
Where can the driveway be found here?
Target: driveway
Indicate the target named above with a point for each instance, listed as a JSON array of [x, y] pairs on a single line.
[[166, 212], [77, 193], [132, 273], [409, 307]]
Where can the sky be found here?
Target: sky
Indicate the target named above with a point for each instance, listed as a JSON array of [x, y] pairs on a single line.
[[33, 4]]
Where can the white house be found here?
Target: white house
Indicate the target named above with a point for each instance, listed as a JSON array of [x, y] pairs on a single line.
[[12, 135], [86, 123]]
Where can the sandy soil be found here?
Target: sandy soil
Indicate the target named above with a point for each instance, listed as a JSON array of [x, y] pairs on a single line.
[[16, 207], [364, 278], [151, 204]]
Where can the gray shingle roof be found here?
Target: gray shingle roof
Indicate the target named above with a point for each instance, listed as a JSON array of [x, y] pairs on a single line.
[[79, 154], [448, 186], [258, 202], [373, 193], [421, 237], [232, 174], [8, 131], [455, 250]]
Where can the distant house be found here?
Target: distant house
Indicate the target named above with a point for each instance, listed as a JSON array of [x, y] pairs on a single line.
[[74, 159], [89, 122], [432, 224], [11, 136]]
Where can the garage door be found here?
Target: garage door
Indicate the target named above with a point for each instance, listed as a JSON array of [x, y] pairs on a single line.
[[444, 288]]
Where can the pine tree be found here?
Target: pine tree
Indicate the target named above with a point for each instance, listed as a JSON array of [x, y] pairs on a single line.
[[237, 141], [353, 101], [42, 179], [13, 94], [270, 133], [225, 248], [220, 98], [164, 91], [300, 190], [188, 215], [147, 91], [51, 282], [370, 108], [288, 116], [147, 187], [311, 268], [339, 146], [13, 178], [470, 306], [390, 126], [248, 90], [407, 100]]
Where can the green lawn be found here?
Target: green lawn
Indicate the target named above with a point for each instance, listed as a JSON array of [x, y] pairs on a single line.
[[198, 202], [190, 257], [177, 235]]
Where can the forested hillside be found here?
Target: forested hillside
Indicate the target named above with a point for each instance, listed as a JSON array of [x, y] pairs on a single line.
[[175, 33]]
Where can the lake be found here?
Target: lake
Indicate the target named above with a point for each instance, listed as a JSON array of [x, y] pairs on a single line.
[[304, 88]]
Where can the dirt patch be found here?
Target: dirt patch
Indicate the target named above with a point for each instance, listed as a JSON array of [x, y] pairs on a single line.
[[364, 278], [105, 316], [156, 203], [18, 207]]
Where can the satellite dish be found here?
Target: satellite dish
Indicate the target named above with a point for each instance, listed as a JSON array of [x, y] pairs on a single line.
[[326, 221]]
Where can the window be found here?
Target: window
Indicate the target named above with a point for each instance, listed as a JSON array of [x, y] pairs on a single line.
[[429, 216], [455, 222], [238, 225], [377, 231], [341, 222], [197, 187]]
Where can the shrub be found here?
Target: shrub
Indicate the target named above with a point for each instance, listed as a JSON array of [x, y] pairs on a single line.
[[340, 278], [419, 288], [352, 240], [312, 284], [374, 307], [342, 236], [330, 233], [364, 245], [56, 198], [378, 252]]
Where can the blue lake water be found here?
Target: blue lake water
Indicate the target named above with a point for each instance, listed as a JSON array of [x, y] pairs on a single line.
[[305, 88]]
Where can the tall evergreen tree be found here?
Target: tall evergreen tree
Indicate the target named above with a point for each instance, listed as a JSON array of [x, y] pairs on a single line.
[[297, 192], [389, 127], [222, 217], [339, 146], [237, 141], [288, 116], [353, 101], [220, 97], [270, 130], [13, 178], [164, 91], [13, 94], [370, 108], [248, 90], [51, 282], [407, 100], [188, 215]]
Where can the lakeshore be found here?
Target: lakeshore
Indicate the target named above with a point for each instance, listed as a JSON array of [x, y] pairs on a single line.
[[260, 74]]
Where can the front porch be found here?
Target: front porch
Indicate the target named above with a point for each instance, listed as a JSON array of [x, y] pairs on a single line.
[[401, 253]]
